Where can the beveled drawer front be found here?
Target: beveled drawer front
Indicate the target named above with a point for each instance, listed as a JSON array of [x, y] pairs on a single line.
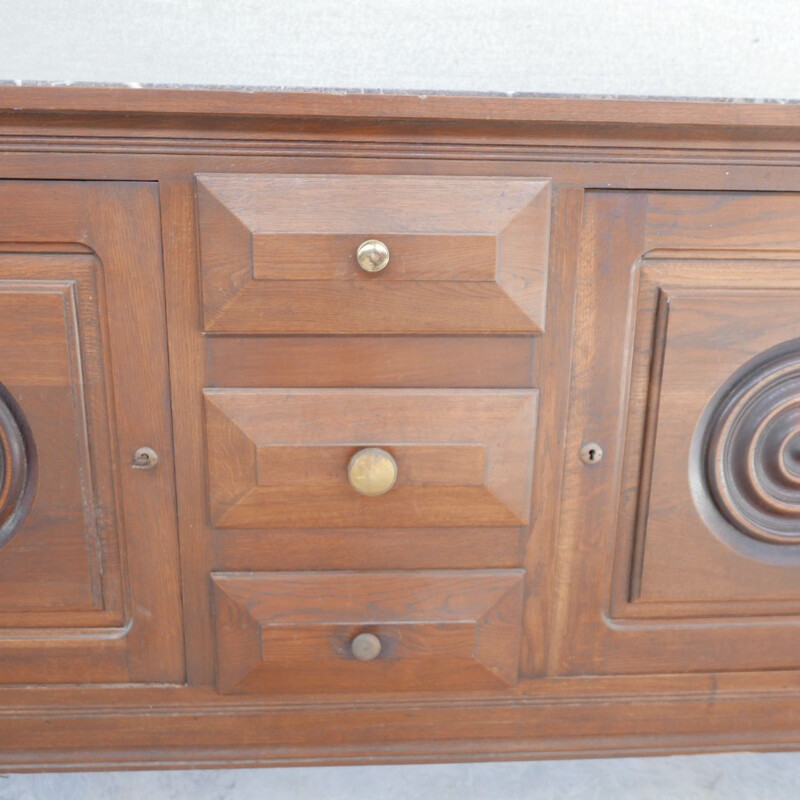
[[367, 631], [283, 253], [286, 457]]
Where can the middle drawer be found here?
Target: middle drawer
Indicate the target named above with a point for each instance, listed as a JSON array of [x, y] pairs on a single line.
[[294, 458]]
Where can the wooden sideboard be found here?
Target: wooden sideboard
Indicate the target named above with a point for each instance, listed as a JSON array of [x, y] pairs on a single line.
[[341, 428]]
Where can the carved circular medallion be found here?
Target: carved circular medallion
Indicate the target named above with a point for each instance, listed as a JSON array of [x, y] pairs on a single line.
[[17, 467], [752, 447]]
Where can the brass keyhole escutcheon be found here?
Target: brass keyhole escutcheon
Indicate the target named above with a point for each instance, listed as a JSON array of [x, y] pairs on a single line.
[[591, 453], [372, 471], [366, 647], [372, 255]]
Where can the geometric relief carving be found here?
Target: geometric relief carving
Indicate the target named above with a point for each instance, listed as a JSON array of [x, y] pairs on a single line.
[[279, 458], [715, 300], [18, 466], [467, 255], [711, 494], [752, 447], [446, 630]]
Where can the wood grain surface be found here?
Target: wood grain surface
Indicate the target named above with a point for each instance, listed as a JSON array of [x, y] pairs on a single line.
[[90, 587], [278, 253], [177, 270], [293, 632]]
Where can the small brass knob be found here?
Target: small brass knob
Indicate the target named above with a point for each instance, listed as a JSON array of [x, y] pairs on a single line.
[[366, 647], [372, 471], [372, 255]]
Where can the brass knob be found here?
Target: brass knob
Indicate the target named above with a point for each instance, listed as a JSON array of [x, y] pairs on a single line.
[[366, 647], [372, 255], [372, 471]]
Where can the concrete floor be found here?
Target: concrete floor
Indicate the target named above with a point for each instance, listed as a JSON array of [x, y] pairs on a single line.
[[773, 776]]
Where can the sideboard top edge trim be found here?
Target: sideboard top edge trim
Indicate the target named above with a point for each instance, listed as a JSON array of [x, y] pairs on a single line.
[[103, 100]]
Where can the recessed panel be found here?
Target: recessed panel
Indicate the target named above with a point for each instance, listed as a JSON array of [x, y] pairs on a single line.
[[722, 493], [53, 373]]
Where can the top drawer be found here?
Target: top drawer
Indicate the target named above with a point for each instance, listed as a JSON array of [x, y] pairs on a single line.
[[278, 253]]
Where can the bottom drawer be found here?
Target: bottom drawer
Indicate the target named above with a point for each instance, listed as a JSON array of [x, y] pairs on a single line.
[[287, 632]]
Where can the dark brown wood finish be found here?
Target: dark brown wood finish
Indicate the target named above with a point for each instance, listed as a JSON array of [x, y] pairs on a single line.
[[177, 270], [279, 458], [278, 254], [686, 556], [291, 633], [89, 588]]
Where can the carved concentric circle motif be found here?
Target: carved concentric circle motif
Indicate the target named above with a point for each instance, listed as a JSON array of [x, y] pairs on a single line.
[[752, 453], [17, 467]]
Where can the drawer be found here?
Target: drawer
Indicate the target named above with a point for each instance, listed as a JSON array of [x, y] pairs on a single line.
[[296, 458], [367, 631], [283, 253]]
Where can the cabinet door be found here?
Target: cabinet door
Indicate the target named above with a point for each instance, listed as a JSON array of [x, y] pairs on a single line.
[[88, 551], [682, 542]]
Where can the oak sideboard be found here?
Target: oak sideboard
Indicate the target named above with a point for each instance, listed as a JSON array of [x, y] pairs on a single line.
[[347, 428]]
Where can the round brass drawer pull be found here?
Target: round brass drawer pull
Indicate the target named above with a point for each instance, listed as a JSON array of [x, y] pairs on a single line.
[[366, 647], [372, 255], [372, 471]]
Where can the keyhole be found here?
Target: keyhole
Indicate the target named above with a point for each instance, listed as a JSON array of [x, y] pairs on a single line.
[[145, 458], [591, 453]]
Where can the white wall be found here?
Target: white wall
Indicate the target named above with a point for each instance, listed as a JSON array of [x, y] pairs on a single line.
[[702, 48], [699, 48]]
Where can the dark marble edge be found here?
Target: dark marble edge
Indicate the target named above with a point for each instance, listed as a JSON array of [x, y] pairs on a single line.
[[391, 92]]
